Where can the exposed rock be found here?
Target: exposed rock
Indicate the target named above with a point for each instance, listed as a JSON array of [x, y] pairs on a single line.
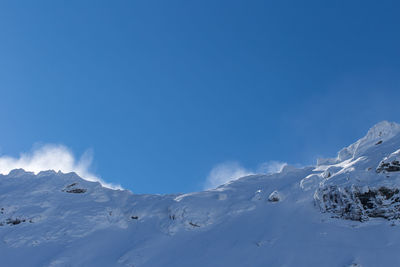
[[393, 166], [274, 197], [194, 225], [353, 203], [71, 185], [71, 188], [14, 221], [76, 191]]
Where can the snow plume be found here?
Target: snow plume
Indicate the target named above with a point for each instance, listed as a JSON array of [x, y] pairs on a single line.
[[271, 167], [229, 171], [53, 157], [225, 172]]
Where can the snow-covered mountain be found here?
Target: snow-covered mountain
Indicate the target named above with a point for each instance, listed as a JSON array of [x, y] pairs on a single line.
[[344, 211]]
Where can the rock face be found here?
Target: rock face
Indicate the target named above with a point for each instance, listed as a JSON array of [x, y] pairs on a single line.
[[274, 197], [356, 204], [393, 166]]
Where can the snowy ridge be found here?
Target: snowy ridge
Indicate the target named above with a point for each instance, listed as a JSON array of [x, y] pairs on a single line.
[[342, 212], [381, 132]]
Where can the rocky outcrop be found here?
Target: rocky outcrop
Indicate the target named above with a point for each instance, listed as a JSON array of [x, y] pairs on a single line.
[[360, 204], [73, 189], [392, 166], [274, 197]]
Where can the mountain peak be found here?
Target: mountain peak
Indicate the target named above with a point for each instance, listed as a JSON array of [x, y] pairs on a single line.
[[383, 129], [377, 134], [380, 132]]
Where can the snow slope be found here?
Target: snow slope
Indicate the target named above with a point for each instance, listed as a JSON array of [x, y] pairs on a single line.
[[332, 214]]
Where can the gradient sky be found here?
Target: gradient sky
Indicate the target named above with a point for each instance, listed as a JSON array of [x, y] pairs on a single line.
[[163, 91]]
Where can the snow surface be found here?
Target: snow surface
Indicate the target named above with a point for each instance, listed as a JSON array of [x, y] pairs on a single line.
[[57, 219]]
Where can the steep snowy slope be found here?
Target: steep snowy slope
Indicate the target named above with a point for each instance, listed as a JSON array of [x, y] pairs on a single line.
[[343, 211]]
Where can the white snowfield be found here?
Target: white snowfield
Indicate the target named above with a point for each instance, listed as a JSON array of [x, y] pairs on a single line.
[[343, 212]]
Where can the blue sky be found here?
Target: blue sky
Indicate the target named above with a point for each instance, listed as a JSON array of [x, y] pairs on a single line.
[[161, 92]]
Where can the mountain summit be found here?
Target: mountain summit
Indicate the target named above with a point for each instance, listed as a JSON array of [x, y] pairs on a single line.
[[344, 211]]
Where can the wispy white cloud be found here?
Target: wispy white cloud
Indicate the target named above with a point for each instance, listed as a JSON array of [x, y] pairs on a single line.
[[53, 157], [229, 171]]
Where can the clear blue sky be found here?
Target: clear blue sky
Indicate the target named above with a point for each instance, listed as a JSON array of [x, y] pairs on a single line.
[[163, 91]]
